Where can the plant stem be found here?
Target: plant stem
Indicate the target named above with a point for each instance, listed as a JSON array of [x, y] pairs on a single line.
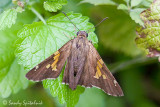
[[135, 61], [38, 15]]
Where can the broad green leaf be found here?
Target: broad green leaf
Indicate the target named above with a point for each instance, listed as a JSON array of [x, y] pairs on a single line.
[[8, 18], [122, 7], [135, 15], [135, 2], [38, 41], [118, 35], [11, 73], [149, 36], [99, 2], [54, 5]]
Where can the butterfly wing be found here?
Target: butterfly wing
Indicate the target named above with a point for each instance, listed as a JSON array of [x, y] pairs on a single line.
[[97, 74], [51, 67]]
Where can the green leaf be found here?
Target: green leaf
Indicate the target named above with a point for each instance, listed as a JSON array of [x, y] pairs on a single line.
[[38, 41], [146, 3], [127, 1], [135, 15], [122, 7], [118, 35], [148, 36], [54, 5], [8, 18], [135, 2], [99, 2], [13, 76], [11, 73]]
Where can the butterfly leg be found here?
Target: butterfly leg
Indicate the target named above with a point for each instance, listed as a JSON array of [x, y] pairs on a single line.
[[92, 42], [75, 30]]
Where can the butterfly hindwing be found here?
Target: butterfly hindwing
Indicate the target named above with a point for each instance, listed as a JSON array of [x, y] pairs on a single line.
[[51, 67]]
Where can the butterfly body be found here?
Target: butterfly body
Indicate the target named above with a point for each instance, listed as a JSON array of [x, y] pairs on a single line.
[[76, 60], [84, 67]]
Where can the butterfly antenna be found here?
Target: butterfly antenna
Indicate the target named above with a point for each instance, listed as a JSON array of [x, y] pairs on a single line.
[[70, 20], [98, 24]]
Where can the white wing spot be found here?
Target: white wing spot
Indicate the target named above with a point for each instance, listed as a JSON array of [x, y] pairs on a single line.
[[115, 83], [36, 67]]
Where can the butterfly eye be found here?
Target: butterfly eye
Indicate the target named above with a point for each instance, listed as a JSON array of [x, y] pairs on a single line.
[[87, 34], [77, 33]]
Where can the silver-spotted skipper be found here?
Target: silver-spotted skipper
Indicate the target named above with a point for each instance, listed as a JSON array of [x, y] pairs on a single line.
[[84, 66]]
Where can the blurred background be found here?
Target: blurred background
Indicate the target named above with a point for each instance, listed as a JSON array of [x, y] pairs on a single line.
[[138, 76]]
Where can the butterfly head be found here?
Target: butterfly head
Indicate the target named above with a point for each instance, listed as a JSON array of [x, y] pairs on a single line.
[[82, 34]]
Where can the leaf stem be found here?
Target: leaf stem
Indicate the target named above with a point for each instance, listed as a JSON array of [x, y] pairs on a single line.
[[38, 15]]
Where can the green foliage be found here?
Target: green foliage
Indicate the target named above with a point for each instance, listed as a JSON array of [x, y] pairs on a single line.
[[11, 73], [118, 35], [148, 39], [135, 7], [135, 15], [54, 5], [8, 18], [122, 7], [37, 41], [99, 2], [135, 2]]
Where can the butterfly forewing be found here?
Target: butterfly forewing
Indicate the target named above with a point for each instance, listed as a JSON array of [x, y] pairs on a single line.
[[51, 67], [101, 76], [97, 74]]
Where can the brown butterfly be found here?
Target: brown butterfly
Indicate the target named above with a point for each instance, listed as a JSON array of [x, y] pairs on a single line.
[[84, 66]]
